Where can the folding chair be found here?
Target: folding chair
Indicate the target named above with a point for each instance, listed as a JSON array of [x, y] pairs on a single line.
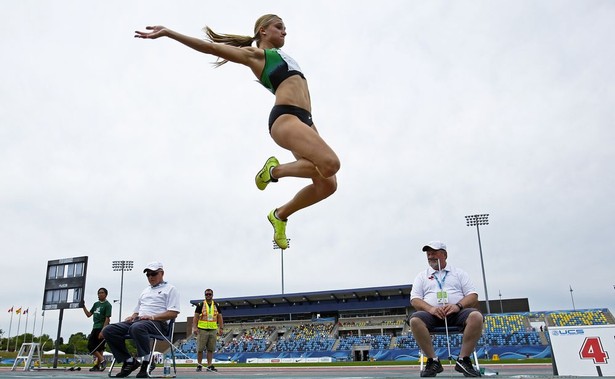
[[452, 330], [154, 339]]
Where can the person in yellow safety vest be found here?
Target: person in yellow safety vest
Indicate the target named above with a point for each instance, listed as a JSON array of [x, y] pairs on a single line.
[[207, 324]]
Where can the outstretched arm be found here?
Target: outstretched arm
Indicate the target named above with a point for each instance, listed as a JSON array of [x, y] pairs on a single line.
[[249, 56], [86, 311]]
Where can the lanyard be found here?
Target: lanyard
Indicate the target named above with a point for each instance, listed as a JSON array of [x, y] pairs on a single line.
[[440, 284], [210, 308]]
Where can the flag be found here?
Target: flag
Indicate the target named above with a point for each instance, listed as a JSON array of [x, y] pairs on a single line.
[[18, 310], [26, 311], [11, 310]]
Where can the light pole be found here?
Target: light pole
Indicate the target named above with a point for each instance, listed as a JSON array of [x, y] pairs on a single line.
[[572, 297], [275, 247], [477, 220], [122, 266], [501, 307]]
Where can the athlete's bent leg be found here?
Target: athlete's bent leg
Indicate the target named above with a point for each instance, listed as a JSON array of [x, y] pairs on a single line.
[[319, 190], [305, 142]]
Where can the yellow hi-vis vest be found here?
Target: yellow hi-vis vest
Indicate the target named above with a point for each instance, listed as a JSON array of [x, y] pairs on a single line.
[[209, 316]]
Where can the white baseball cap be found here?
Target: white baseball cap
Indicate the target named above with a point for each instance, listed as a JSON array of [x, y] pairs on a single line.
[[154, 266], [435, 245]]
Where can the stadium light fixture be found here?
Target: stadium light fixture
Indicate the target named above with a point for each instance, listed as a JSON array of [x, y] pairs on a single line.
[[477, 220], [275, 247], [122, 266]]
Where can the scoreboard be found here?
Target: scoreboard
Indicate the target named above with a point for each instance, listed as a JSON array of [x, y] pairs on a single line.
[[65, 283]]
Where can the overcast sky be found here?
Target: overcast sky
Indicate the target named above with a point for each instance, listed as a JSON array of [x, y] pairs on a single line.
[[120, 148]]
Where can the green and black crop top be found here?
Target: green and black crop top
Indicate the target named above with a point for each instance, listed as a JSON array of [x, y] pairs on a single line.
[[278, 67]]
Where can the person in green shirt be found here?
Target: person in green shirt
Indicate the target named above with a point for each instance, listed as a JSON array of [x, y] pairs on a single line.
[[101, 310]]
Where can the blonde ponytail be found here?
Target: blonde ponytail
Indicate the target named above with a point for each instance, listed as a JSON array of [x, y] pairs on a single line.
[[237, 40]]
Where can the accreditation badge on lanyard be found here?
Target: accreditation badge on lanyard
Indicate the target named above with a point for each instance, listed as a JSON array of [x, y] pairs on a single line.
[[210, 311], [442, 295]]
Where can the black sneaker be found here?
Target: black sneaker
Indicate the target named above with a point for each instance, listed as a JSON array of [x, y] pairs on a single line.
[[96, 368], [144, 372], [211, 368], [432, 368], [128, 368], [199, 368], [103, 365], [464, 366]]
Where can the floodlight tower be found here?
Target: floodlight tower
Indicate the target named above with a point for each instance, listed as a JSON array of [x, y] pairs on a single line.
[[477, 220], [122, 266], [275, 247]]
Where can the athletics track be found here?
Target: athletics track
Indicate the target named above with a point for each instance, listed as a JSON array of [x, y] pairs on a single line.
[[364, 372]]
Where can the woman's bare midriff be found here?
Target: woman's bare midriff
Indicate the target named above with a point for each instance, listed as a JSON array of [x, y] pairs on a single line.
[[294, 91]]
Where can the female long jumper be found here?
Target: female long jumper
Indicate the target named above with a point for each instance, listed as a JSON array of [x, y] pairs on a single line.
[[290, 120]]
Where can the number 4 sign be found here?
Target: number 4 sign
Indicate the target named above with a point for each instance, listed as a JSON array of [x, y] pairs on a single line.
[[583, 350], [592, 349]]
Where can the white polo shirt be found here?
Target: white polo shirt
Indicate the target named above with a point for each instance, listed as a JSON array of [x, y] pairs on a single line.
[[158, 299], [454, 281]]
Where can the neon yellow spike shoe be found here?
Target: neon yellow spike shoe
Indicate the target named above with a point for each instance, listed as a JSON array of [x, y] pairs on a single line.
[[264, 175], [279, 230]]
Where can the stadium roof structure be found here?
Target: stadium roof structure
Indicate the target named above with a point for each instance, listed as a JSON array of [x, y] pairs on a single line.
[[327, 302]]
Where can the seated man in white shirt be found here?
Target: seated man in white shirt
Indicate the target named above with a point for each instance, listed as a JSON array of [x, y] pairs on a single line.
[[158, 303], [444, 292]]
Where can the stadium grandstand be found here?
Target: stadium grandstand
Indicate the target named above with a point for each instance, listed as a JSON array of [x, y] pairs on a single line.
[[367, 324]]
